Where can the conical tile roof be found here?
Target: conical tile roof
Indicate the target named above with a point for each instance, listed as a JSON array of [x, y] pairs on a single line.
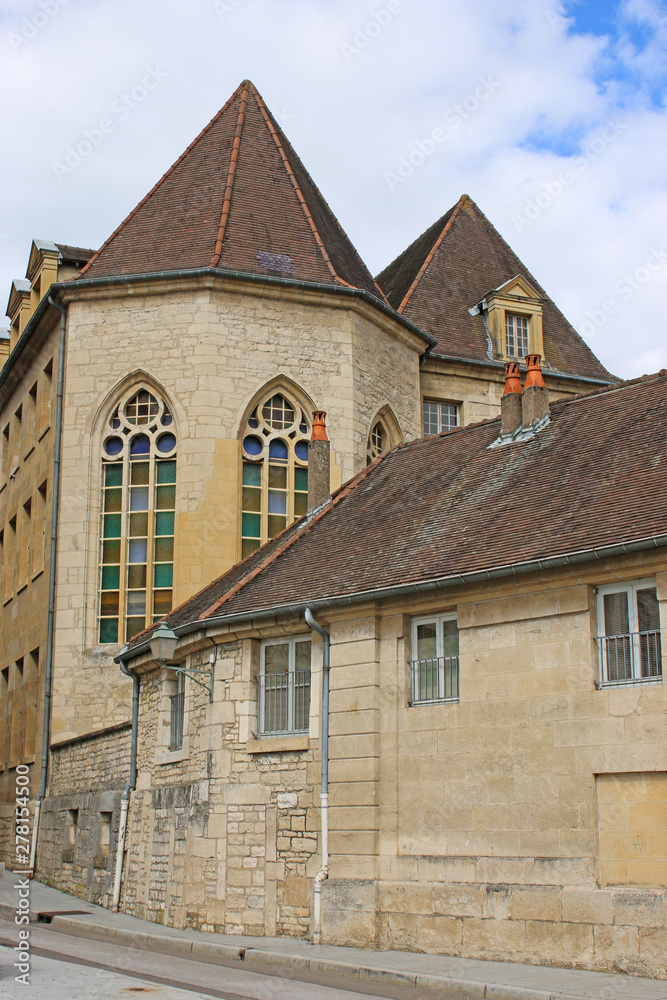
[[450, 268], [238, 199]]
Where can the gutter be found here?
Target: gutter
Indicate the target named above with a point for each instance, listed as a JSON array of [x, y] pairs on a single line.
[[50, 621], [323, 873], [201, 272], [129, 787], [457, 579]]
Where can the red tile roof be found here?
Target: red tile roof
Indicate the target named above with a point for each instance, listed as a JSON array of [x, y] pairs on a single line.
[[239, 199], [446, 506], [450, 268]]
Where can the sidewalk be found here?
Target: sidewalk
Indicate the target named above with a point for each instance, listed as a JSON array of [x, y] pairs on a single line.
[[470, 977]]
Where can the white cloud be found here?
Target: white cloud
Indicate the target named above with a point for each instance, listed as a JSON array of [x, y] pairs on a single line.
[[352, 117]]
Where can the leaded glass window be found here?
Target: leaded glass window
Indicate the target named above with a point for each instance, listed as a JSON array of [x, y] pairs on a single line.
[[275, 469], [137, 521]]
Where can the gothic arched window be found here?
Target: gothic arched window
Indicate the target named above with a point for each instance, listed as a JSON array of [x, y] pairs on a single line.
[[138, 509], [378, 441], [275, 469]]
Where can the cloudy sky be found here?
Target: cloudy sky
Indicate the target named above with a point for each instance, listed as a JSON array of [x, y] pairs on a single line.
[[550, 115]]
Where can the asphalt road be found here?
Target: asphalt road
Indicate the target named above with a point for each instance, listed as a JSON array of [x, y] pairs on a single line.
[[64, 967]]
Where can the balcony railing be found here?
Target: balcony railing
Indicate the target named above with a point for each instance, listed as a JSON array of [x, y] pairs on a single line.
[[177, 713], [634, 658], [284, 703], [435, 680]]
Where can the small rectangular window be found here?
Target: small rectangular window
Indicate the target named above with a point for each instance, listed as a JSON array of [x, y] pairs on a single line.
[[6, 716], [516, 336], [6, 449], [31, 417], [284, 686], [25, 544], [10, 555], [45, 397], [16, 712], [629, 641], [177, 715], [435, 667], [439, 417]]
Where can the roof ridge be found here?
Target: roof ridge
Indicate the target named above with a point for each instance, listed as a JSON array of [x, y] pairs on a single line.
[[231, 174], [612, 387], [162, 179], [431, 254], [300, 197], [334, 500]]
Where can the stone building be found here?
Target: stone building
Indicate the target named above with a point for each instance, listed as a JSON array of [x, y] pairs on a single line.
[[497, 780], [191, 351]]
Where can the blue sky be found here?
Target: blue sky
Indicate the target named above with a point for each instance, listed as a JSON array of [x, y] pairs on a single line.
[[563, 147]]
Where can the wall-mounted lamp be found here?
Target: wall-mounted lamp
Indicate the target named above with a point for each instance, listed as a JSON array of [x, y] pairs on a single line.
[[163, 646]]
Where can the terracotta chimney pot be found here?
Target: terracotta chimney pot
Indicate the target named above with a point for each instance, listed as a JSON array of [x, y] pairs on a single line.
[[534, 371], [319, 426], [512, 380]]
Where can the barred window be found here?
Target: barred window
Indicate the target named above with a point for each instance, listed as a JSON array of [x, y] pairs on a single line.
[[435, 667], [629, 639], [275, 470], [137, 520], [284, 692], [439, 417]]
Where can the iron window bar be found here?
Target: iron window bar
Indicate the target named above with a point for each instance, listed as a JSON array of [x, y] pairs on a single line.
[[177, 715], [435, 680], [284, 703], [630, 658]]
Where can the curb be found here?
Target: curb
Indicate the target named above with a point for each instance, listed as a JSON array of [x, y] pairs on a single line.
[[171, 945]]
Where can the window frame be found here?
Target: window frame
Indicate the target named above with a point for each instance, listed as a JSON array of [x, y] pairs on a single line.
[[436, 619], [515, 315], [440, 403], [630, 588], [290, 729]]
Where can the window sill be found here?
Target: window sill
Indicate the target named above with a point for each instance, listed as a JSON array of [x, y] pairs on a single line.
[[435, 701], [632, 682], [172, 756], [277, 744]]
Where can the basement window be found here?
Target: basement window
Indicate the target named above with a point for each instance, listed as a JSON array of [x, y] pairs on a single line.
[[629, 641]]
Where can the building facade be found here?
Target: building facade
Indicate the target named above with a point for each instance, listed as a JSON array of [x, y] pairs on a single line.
[[197, 343]]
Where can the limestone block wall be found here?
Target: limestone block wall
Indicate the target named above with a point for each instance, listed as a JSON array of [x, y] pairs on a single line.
[[221, 832], [26, 482], [209, 349], [79, 818]]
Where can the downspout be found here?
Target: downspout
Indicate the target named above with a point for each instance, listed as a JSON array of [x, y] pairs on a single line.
[[131, 785], [323, 873], [48, 673]]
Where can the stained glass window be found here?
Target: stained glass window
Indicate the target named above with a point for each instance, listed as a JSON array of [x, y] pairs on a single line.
[[138, 513], [275, 469]]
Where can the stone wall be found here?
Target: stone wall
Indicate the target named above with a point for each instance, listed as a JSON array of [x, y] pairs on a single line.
[[79, 818], [220, 831]]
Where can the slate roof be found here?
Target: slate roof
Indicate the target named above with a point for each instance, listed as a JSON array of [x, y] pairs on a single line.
[[240, 199], [445, 506], [74, 255], [450, 268]]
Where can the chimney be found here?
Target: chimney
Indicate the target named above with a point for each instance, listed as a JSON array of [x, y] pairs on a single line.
[[535, 400], [510, 404], [319, 476]]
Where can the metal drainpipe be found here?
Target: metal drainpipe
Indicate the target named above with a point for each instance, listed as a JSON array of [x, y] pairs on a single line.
[[131, 785], [323, 873], [48, 673]]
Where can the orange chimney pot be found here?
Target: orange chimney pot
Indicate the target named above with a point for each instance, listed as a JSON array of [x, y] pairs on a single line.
[[512, 380], [319, 426], [534, 371]]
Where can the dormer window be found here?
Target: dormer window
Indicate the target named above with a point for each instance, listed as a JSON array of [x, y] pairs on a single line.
[[512, 317], [516, 336]]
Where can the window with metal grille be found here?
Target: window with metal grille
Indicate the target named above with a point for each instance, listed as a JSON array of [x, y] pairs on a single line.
[[275, 470], [629, 641], [137, 520], [516, 335], [435, 668], [284, 686], [439, 416]]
